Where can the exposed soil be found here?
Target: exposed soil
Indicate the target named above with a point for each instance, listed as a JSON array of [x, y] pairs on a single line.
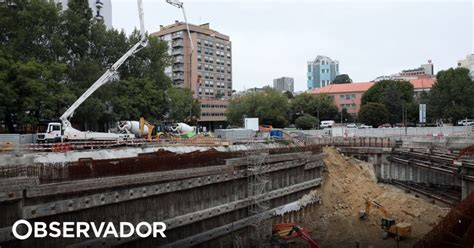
[[335, 223]]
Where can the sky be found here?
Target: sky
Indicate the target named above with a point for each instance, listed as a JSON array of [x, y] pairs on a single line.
[[271, 39]]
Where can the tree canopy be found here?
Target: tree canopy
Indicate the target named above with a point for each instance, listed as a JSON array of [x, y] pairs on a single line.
[[394, 95], [49, 57], [374, 114], [306, 122], [342, 79], [451, 97], [270, 106], [311, 104]]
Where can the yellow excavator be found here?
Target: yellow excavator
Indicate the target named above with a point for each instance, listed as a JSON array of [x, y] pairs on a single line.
[[389, 225], [151, 131]]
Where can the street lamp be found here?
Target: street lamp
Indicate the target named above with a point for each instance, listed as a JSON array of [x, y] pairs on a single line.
[[178, 4]]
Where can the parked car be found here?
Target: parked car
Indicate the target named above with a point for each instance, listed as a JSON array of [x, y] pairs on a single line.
[[265, 128], [464, 122], [351, 125], [364, 126], [327, 124], [386, 125]]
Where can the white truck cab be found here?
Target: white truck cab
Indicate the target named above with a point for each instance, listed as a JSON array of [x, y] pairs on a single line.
[[53, 133]]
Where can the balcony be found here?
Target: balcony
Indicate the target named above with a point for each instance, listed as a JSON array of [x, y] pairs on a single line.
[[178, 60], [177, 77], [177, 43], [178, 68], [177, 52], [177, 36]]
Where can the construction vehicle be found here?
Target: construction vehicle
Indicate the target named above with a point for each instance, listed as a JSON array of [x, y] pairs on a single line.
[[286, 231], [389, 225], [63, 130]]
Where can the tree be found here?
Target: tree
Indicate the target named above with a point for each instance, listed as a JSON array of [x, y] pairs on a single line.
[[451, 97], [270, 106], [342, 79], [393, 95], [182, 104], [306, 122], [288, 94], [374, 114], [345, 116], [320, 105], [48, 58]]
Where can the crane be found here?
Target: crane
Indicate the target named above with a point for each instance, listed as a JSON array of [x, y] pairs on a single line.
[[64, 130]]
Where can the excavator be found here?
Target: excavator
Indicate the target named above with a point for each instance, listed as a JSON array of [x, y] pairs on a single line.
[[389, 225], [285, 231]]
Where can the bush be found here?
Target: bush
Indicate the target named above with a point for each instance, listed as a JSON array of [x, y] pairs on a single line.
[[306, 122], [374, 114]]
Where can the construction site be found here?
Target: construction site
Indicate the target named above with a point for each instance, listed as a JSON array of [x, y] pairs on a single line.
[[289, 192], [251, 186]]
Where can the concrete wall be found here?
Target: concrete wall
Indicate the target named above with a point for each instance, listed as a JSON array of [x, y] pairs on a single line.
[[199, 205]]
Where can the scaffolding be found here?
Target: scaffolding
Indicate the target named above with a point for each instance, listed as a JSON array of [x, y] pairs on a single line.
[[257, 186]]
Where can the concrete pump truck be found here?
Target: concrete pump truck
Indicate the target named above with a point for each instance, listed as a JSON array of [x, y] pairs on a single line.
[[63, 131]]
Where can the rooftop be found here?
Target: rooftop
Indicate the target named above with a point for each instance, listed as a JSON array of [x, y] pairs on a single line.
[[343, 88], [419, 83]]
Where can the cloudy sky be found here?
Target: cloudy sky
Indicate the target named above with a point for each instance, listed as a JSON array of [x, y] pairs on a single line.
[[271, 39]]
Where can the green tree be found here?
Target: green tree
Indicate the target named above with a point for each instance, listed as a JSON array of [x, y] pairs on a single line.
[[48, 58], [342, 79], [270, 106], [374, 114], [306, 122], [393, 95], [451, 97], [321, 105], [346, 117], [182, 104]]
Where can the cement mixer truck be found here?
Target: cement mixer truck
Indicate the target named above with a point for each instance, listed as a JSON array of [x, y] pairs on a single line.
[[141, 130]]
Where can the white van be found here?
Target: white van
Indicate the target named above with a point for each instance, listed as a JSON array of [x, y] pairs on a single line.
[[327, 124]]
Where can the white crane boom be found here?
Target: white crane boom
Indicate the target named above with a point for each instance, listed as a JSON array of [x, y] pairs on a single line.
[[111, 73], [179, 4]]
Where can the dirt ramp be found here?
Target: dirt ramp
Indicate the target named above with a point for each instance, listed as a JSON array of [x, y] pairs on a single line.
[[347, 182]]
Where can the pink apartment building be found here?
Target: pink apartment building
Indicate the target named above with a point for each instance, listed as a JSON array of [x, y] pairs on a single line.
[[349, 96]]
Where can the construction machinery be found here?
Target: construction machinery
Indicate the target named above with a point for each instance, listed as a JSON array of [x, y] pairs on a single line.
[[389, 225], [63, 130], [286, 231]]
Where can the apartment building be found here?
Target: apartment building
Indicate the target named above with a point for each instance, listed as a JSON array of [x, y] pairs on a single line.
[[205, 67], [321, 72]]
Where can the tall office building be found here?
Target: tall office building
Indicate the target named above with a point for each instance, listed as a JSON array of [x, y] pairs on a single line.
[[284, 84], [322, 71], [207, 70], [101, 10]]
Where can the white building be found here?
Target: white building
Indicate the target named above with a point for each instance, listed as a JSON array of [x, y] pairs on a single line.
[[101, 10], [468, 63], [411, 74]]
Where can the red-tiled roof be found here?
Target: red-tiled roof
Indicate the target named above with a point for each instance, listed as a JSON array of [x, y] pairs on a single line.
[[419, 83], [342, 88], [422, 83]]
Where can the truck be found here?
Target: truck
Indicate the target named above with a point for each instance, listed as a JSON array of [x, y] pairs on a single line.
[[63, 130]]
